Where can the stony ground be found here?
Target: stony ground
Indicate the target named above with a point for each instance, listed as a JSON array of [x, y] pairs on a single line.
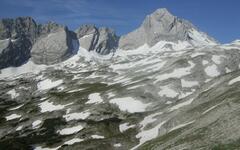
[[159, 99]]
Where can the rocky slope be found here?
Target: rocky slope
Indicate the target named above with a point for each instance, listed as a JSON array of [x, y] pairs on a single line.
[[169, 95]]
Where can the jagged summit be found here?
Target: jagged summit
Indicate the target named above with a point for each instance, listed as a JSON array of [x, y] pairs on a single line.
[[161, 12], [161, 25], [38, 41]]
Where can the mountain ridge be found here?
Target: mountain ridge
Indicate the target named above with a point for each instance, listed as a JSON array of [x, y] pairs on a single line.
[[172, 95], [159, 26]]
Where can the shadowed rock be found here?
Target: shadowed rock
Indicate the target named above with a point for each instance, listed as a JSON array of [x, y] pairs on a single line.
[[101, 40]]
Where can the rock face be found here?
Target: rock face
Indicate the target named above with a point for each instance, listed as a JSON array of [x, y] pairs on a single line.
[[50, 27], [17, 36], [101, 40], [17, 28], [14, 53], [52, 42], [162, 26], [54, 47]]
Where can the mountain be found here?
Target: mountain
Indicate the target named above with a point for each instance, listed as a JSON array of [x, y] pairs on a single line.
[[161, 25], [22, 38], [176, 90], [52, 43]]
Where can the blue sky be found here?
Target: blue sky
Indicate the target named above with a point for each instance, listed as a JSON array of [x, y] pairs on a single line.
[[219, 18]]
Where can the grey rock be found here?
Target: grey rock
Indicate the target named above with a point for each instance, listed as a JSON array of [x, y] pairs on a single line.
[[14, 53], [17, 28], [160, 25], [50, 27], [91, 36], [53, 48], [101, 40], [17, 36]]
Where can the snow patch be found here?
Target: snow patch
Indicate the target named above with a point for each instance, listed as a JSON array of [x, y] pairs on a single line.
[[125, 126], [94, 98], [73, 141], [97, 137], [212, 71], [77, 116], [13, 93], [49, 106], [129, 104], [147, 135], [27, 68], [188, 84], [46, 148], [211, 108], [204, 62], [48, 84], [117, 145], [19, 128], [71, 130], [177, 73], [216, 59], [12, 117], [231, 82], [15, 108], [36, 124], [197, 54], [168, 92], [188, 102]]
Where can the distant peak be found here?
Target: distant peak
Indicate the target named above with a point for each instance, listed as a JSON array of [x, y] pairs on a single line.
[[159, 15], [161, 12]]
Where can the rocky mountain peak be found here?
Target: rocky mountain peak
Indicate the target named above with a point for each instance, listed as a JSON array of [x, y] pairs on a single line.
[[161, 13], [161, 25]]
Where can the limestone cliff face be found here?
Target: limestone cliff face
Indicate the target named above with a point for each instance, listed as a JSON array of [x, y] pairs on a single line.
[[161, 25], [54, 47], [101, 40]]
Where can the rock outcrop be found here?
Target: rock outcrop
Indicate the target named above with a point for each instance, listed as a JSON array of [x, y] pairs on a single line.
[[19, 27], [101, 40], [17, 36], [55, 47], [14, 53], [161, 25], [50, 43]]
